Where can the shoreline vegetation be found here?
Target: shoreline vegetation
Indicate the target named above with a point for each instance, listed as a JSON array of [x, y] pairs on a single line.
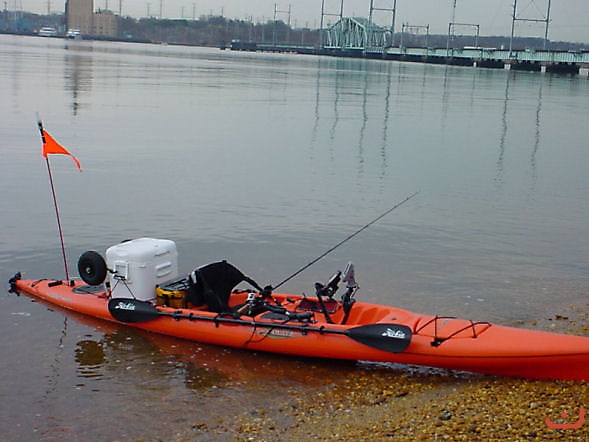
[[219, 31]]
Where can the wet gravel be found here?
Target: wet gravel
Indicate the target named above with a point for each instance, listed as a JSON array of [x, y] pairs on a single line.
[[390, 402]]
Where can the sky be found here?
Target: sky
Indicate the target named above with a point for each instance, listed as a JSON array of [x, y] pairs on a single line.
[[569, 19]]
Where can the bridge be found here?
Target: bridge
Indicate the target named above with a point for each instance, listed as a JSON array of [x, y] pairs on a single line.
[[571, 62], [354, 33], [362, 38]]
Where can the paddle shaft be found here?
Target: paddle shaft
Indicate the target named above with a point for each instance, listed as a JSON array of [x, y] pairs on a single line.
[[225, 320], [388, 337]]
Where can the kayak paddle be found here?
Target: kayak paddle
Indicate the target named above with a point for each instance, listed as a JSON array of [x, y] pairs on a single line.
[[394, 338]]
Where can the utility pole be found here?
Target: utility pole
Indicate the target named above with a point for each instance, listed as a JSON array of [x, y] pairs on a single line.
[[546, 29], [537, 20], [324, 14], [451, 29], [393, 12], [277, 11], [454, 12]]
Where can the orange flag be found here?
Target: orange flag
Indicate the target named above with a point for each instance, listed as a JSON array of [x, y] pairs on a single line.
[[50, 146]]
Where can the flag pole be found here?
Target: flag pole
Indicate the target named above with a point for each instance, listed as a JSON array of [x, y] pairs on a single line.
[[67, 276]]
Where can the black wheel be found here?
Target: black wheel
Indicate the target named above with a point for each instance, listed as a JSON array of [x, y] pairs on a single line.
[[92, 268]]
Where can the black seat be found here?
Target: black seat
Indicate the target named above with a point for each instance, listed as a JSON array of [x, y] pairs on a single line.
[[212, 284]]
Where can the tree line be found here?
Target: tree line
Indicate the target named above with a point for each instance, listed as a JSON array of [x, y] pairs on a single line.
[[219, 31]]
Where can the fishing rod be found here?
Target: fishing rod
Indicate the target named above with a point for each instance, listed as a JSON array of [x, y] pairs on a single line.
[[305, 267]]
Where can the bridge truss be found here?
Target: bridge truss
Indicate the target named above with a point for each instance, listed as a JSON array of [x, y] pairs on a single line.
[[355, 33]]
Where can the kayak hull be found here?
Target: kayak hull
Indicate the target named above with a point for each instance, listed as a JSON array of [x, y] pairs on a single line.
[[441, 342]]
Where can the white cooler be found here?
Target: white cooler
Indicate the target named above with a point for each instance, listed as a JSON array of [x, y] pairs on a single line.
[[139, 265]]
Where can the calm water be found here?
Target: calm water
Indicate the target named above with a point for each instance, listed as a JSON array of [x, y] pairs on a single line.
[[268, 161]]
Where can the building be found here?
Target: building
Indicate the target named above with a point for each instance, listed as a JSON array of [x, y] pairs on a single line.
[[80, 15], [104, 24]]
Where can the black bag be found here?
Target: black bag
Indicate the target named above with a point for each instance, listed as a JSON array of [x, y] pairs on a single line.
[[212, 285]]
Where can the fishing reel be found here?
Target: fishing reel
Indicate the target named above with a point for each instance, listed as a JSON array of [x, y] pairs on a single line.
[[348, 299], [329, 289], [254, 305], [349, 276], [257, 302]]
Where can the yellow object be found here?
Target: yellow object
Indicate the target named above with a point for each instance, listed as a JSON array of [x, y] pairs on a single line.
[[172, 294]]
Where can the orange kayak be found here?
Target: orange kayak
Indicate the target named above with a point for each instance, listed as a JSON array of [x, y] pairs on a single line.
[[324, 327]]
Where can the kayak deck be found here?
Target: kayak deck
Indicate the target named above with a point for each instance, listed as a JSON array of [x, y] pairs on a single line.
[[441, 342]]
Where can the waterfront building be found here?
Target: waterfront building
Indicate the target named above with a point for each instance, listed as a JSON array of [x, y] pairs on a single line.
[[104, 24], [80, 15]]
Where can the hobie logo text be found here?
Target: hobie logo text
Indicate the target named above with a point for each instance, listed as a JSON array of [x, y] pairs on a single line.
[[390, 333], [125, 306]]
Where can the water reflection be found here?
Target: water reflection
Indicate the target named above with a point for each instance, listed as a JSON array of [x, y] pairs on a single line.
[[78, 75], [360, 94], [55, 373], [503, 134], [363, 120], [519, 121], [15, 77], [124, 352], [90, 357], [317, 103], [355, 91], [385, 125], [537, 135], [446, 92]]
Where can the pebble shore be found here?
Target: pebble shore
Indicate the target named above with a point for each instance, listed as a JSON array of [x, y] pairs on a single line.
[[403, 403]]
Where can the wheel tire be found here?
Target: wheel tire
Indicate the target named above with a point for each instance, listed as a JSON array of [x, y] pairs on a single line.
[[92, 268]]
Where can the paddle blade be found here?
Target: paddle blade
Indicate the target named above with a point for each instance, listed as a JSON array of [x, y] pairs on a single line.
[[388, 337], [132, 310]]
